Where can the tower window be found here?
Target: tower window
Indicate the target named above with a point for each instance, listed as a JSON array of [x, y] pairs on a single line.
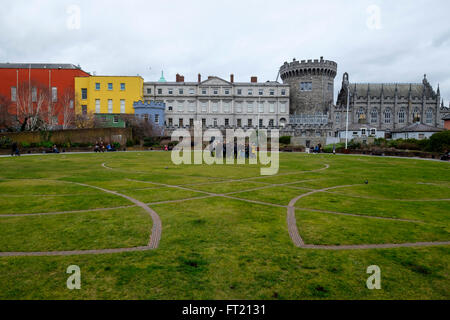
[[306, 86]]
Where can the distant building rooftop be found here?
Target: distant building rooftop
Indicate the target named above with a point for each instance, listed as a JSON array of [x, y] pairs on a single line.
[[418, 127], [38, 66]]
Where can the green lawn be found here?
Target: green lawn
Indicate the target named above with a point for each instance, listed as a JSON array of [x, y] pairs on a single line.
[[221, 248]]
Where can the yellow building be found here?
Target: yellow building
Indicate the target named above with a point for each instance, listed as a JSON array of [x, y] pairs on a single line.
[[107, 94]]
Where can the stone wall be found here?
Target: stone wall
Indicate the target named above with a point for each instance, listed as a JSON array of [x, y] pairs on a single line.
[[120, 135]]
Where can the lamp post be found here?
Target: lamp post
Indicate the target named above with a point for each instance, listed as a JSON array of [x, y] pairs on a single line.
[[346, 122]]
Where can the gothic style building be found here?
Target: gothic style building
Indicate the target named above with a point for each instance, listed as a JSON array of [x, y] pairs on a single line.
[[388, 107]]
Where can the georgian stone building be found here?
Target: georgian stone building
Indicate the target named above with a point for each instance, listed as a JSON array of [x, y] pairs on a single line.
[[221, 104], [388, 107]]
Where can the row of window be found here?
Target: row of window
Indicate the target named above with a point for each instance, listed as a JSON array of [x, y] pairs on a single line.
[[364, 131], [226, 108], [84, 91], [216, 91], [216, 122], [307, 86], [110, 86], [110, 106], [148, 117], [361, 115], [34, 94]]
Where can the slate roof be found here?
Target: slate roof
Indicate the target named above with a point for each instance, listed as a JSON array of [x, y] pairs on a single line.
[[388, 90], [38, 66], [418, 127]]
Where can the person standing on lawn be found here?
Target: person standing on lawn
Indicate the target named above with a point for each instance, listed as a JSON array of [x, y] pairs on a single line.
[[15, 149]]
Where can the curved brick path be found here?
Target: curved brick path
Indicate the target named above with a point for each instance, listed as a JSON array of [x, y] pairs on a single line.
[[153, 243], [298, 241], [157, 227]]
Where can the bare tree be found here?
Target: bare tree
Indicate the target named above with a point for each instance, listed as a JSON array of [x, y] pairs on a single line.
[[6, 118], [68, 109], [84, 121], [141, 127], [32, 98]]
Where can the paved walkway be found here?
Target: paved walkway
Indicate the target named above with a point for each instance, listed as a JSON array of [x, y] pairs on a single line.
[[153, 243], [298, 241], [156, 231]]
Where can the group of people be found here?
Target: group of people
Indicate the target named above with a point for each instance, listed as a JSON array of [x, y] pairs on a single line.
[[100, 147], [16, 152], [240, 151], [317, 148]]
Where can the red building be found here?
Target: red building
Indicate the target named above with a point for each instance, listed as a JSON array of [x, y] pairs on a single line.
[[446, 119], [39, 93]]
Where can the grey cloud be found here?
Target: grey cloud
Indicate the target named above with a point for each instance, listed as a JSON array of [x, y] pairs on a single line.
[[245, 37]]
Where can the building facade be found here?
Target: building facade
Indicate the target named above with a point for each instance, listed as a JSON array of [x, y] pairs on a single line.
[[311, 85], [388, 107], [49, 87], [417, 131], [107, 94], [109, 120], [446, 119], [221, 104], [153, 112]]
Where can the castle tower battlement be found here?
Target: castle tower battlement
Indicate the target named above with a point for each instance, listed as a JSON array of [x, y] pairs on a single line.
[[311, 85], [308, 67]]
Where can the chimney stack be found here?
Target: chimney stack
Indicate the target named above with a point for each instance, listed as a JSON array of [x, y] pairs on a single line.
[[232, 78], [254, 79], [179, 78], [199, 78]]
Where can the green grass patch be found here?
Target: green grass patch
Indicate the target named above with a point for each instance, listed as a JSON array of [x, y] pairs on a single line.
[[331, 229], [120, 228]]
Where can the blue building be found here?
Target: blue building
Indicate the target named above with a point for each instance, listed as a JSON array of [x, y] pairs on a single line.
[[153, 112]]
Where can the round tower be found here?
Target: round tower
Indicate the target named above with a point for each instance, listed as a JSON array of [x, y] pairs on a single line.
[[311, 85]]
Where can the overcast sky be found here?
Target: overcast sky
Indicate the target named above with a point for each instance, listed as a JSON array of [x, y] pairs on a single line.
[[374, 41]]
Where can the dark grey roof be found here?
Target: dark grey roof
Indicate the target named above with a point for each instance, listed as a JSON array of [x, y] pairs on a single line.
[[38, 66], [416, 90], [375, 89], [446, 117], [418, 127]]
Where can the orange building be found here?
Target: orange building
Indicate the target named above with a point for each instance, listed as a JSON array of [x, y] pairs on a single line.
[[49, 87]]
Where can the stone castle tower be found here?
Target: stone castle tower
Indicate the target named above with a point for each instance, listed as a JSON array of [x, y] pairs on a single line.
[[312, 85]]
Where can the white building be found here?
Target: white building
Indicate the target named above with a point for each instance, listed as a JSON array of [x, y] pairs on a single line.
[[361, 131], [221, 104], [417, 131]]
